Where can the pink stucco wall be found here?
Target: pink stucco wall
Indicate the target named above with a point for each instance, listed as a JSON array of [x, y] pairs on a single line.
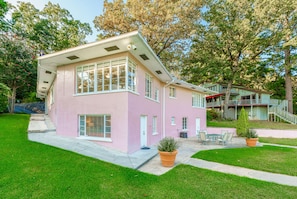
[[277, 133], [125, 109], [179, 107]]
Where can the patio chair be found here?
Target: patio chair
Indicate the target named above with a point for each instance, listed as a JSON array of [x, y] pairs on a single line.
[[227, 137], [203, 137], [229, 140], [198, 134]]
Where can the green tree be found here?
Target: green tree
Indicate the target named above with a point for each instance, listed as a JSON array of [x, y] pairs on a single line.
[[3, 11], [17, 65], [4, 96], [242, 126], [51, 29], [33, 32], [227, 48], [283, 55], [166, 25]]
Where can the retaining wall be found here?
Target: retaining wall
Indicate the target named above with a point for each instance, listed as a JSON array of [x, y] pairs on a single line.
[[261, 132]]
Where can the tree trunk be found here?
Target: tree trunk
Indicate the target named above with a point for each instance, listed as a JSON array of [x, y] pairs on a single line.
[[12, 102], [288, 66], [288, 80], [227, 97]]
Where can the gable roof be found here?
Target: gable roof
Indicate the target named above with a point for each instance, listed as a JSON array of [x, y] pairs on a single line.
[[132, 42]]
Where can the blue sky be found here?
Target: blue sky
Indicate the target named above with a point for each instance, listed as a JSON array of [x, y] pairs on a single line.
[[83, 10]]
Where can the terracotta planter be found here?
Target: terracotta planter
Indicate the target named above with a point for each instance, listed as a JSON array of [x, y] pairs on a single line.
[[251, 141], [167, 158]]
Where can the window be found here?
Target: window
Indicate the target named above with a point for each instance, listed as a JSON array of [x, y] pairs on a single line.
[[172, 92], [185, 123], [157, 94], [172, 120], [95, 126], [148, 86], [198, 100], [131, 76], [118, 74], [155, 125], [113, 75], [85, 79]]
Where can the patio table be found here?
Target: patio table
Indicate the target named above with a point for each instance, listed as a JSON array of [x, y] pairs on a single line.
[[213, 136]]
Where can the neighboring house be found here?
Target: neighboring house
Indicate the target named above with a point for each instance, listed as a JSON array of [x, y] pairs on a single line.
[[258, 104], [117, 93]]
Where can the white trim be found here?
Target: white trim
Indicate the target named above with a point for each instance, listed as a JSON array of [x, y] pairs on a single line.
[[89, 45], [94, 138]]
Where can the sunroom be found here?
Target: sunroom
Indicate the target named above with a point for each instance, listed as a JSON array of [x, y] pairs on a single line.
[[106, 76]]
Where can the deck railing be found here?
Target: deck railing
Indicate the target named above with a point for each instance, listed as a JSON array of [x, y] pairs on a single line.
[[283, 114], [272, 102]]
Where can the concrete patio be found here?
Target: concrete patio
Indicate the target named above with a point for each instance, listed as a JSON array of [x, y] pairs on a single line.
[[147, 160]]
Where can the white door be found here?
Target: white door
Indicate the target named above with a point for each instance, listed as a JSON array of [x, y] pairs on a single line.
[[143, 131], [197, 125]]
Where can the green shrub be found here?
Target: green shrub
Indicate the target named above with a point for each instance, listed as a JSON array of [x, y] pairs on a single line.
[[31, 97], [212, 114], [4, 93], [252, 134], [167, 144], [3, 103], [242, 126]]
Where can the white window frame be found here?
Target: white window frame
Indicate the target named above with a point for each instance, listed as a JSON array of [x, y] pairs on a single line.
[[108, 74], [106, 128], [148, 85], [157, 94], [173, 120], [184, 123], [198, 100], [172, 92], [131, 76], [155, 121], [83, 74]]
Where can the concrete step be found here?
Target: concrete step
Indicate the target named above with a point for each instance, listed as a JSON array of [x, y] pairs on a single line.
[[40, 123]]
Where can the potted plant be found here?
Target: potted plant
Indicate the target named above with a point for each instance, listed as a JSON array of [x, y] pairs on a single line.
[[167, 150], [251, 138]]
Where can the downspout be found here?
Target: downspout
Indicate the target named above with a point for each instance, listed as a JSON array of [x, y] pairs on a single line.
[[164, 108]]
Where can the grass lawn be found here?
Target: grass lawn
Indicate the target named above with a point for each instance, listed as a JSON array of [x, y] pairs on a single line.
[[283, 141], [253, 124], [267, 158], [33, 170]]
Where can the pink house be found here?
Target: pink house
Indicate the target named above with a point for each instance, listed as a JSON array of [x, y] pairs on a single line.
[[117, 93]]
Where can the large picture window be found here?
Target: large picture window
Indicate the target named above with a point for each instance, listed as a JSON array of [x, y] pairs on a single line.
[[95, 126], [113, 75]]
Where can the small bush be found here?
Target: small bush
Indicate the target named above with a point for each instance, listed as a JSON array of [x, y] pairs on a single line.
[[212, 114], [251, 134], [167, 144]]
